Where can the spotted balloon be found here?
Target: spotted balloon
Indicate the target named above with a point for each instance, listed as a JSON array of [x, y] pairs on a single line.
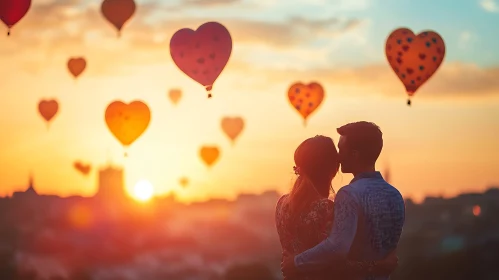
[[127, 122], [305, 99], [414, 58], [203, 53]]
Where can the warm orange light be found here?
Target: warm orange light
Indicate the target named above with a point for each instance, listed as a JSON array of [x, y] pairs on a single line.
[[477, 210], [143, 191], [80, 216]]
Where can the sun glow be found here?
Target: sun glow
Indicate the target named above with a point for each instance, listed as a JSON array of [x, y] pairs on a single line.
[[143, 191]]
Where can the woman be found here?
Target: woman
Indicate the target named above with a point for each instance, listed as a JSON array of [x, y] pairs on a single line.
[[305, 216]]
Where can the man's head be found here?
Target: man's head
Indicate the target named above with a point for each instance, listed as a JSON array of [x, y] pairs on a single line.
[[359, 146]]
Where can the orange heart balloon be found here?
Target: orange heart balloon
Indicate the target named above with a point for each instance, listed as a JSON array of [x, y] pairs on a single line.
[[306, 98], [127, 121], [232, 127], [414, 58], [48, 109], [76, 65], [175, 95], [83, 168], [209, 154]]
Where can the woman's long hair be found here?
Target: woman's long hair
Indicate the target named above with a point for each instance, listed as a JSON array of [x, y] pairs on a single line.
[[316, 163]]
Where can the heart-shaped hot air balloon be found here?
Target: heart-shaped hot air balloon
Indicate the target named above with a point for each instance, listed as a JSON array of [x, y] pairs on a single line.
[[83, 168], [202, 54], [232, 126], [48, 109], [12, 11], [306, 98], [184, 182], [414, 58], [118, 12], [209, 154], [127, 121], [76, 65], [175, 95]]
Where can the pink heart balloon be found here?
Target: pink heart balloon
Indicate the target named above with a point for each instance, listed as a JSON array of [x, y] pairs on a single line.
[[202, 54]]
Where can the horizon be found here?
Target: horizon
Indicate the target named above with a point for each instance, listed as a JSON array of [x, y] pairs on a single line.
[[172, 194], [444, 144]]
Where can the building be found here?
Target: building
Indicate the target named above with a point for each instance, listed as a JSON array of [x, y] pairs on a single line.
[[29, 194], [111, 184]]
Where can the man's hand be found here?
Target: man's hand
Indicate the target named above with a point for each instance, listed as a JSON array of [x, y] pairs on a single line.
[[387, 265], [288, 267]]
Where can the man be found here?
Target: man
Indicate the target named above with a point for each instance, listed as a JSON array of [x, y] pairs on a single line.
[[369, 212]]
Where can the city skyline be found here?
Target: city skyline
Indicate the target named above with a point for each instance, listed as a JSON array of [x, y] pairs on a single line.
[[444, 144]]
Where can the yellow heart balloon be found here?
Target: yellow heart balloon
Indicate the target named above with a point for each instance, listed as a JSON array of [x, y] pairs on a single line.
[[127, 121], [305, 98]]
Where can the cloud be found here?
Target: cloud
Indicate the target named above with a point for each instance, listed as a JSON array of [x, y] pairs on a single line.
[[209, 3], [452, 80], [74, 28], [464, 39], [289, 33], [490, 6], [266, 54]]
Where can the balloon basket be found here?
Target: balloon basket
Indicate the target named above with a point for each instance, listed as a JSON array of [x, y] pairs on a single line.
[[208, 89], [409, 102]]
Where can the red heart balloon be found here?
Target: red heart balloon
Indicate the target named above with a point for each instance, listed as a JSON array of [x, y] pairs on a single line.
[[12, 11], [83, 168], [414, 58], [202, 54], [76, 65], [48, 109]]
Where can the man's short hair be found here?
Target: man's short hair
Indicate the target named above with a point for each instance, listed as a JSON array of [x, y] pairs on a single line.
[[365, 137]]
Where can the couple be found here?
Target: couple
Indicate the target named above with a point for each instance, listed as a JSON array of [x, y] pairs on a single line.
[[355, 236]]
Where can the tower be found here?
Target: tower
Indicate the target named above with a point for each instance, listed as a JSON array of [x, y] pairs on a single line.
[[111, 184]]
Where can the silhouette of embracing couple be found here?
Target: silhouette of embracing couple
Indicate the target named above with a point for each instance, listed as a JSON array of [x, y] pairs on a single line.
[[355, 236]]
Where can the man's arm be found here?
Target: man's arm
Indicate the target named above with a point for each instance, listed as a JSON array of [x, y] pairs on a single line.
[[337, 244]]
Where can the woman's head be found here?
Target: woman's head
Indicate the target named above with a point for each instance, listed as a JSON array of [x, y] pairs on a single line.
[[317, 162], [317, 159]]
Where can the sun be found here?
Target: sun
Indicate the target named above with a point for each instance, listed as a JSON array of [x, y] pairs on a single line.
[[143, 191]]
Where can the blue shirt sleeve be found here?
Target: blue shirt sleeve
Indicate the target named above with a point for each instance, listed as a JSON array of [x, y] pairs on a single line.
[[338, 243]]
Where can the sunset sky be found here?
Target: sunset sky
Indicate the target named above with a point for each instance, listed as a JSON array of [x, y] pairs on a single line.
[[446, 143]]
